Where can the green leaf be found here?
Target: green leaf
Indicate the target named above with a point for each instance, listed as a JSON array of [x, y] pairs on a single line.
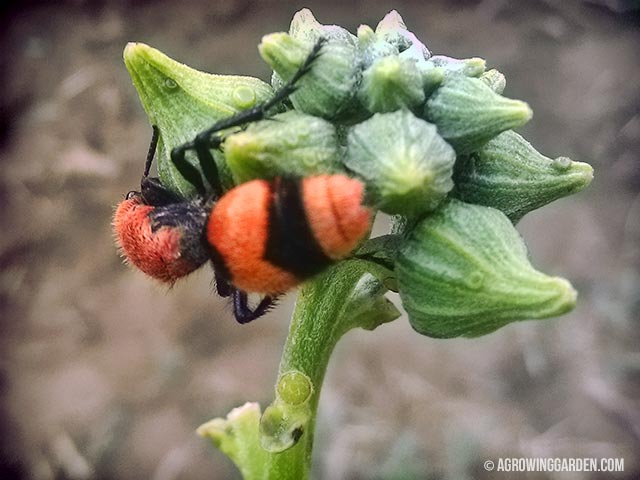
[[182, 101], [237, 436], [464, 271]]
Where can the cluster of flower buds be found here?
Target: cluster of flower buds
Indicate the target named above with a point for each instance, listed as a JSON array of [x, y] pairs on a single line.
[[431, 137]]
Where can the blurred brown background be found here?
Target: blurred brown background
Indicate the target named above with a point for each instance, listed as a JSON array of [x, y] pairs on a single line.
[[105, 375]]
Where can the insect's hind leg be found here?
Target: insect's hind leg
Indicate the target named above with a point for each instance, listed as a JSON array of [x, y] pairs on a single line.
[[223, 287], [244, 313]]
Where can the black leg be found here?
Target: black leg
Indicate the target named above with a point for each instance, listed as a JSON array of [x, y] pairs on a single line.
[[260, 111], [207, 140], [152, 150], [208, 164], [243, 312], [188, 171], [223, 287], [151, 189]]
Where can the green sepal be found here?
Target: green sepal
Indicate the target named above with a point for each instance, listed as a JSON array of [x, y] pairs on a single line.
[[284, 54], [406, 165], [464, 271], [182, 101], [237, 436], [368, 306], [290, 143], [471, 67], [512, 176], [469, 114]]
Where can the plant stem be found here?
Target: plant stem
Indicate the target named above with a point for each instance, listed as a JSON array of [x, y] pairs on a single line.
[[327, 307]]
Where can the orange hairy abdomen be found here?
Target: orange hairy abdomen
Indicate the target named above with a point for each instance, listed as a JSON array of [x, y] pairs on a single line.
[[338, 220], [241, 228], [238, 229]]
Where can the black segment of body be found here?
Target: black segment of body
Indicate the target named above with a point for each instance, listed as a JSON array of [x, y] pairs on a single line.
[[291, 244], [191, 218], [223, 287], [222, 273]]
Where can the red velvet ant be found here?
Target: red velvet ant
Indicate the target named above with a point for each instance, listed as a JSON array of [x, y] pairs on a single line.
[[261, 236]]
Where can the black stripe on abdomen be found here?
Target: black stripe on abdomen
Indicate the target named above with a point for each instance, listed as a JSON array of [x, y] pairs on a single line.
[[291, 244]]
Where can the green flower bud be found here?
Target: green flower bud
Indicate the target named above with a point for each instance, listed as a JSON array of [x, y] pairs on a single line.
[[391, 83], [284, 54], [495, 80], [469, 114], [294, 388], [182, 101], [432, 77], [328, 89], [305, 27], [406, 165], [510, 175], [471, 67], [290, 143], [394, 31], [286, 419], [464, 271], [372, 46]]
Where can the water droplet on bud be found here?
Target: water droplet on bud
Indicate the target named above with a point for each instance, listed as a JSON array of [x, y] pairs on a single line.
[[562, 163], [243, 97], [475, 280]]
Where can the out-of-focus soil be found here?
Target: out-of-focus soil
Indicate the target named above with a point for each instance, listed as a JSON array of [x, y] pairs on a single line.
[[104, 374]]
